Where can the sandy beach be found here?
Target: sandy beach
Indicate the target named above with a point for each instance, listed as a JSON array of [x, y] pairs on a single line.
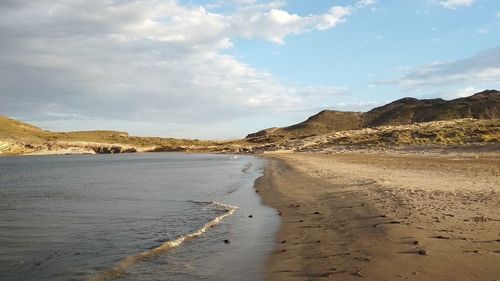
[[384, 216]]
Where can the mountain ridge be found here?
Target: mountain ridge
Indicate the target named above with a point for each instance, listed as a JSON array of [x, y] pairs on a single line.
[[404, 122], [404, 111]]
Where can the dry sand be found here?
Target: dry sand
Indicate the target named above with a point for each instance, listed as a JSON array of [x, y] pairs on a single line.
[[384, 216]]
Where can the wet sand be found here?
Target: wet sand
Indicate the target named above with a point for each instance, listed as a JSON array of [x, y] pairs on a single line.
[[384, 216]]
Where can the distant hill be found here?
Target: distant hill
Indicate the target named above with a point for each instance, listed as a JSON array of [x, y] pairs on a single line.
[[11, 128], [17, 137], [483, 105], [14, 129], [321, 123]]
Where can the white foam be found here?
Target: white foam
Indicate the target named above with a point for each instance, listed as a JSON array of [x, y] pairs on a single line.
[[121, 267]]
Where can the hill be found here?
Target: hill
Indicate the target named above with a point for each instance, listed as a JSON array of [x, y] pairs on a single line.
[[324, 122], [17, 137], [483, 105], [406, 111]]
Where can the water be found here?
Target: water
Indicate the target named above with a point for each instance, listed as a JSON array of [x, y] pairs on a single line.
[[79, 217]]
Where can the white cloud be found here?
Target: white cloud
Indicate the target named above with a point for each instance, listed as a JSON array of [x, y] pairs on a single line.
[[245, 2], [482, 68], [482, 30], [335, 16], [498, 14], [453, 4], [366, 3], [465, 92], [274, 25], [146, 60]]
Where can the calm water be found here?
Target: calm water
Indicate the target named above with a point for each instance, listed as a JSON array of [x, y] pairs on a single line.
[[76, 217]]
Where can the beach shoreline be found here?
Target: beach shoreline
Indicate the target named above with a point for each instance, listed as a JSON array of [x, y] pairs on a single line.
[[384, 216]]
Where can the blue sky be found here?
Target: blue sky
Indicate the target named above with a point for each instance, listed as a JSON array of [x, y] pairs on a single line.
[[222, 69], [379, 44]]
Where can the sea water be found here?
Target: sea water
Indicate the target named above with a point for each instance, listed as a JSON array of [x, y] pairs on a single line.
[[158, 216]]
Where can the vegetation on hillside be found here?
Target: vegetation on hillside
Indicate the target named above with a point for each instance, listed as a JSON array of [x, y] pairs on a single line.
[[450, 133], [483, 105]]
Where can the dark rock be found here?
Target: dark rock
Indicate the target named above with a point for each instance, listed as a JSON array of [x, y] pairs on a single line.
[[358, 274], [250, 216], [441, 237], [226, 241], [282, 241], [472, 252], [423, 253]]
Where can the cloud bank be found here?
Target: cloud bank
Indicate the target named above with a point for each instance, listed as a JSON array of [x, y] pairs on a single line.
[[150, 60], [450, 79], [481, 68]]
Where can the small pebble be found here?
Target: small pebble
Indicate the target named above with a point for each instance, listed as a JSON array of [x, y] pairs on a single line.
[[358, 274], [423, 253]]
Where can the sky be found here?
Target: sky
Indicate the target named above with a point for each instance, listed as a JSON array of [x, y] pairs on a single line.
[[212, 69]]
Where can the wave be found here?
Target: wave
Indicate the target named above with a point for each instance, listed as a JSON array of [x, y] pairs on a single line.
[[120, 269]]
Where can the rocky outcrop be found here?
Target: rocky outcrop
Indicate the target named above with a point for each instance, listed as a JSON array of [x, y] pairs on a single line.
[[61, 147], [98, 148], [11, 147]]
